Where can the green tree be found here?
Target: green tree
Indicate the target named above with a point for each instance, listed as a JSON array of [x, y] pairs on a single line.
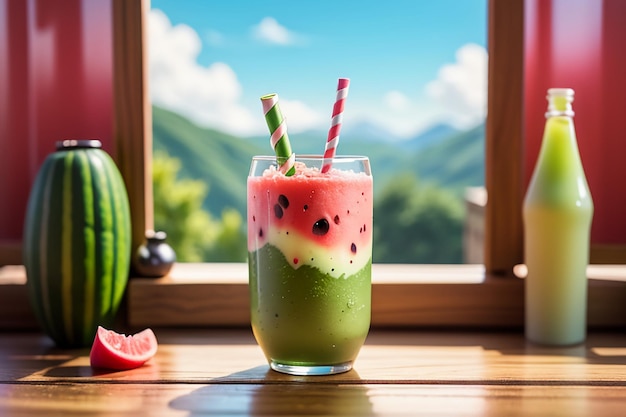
[[192, 232], [230, 244], [417, 223]]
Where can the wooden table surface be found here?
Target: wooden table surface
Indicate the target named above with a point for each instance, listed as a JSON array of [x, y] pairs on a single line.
[[222, 372]]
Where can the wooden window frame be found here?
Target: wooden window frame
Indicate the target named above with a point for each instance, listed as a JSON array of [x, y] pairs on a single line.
[[402, 295], [504, 140]]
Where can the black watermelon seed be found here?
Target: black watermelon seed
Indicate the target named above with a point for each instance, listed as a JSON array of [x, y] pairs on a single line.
[[336, 219], [321, 227], [353, 248], [364, 228], [278, 211], [283, 201], [260, 232], [306, 207]]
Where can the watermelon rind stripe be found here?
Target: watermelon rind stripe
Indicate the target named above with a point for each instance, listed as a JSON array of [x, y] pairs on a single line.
[[123, 234], [106, 242], [52, 265], [121, 246], [66, 248], [43, 268], [78, 246], [89, 238]]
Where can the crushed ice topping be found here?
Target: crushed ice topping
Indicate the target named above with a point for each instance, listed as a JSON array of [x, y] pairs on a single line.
[[303, 170]]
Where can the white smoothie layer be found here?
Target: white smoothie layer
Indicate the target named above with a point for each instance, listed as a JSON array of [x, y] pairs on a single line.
[[300, 250]]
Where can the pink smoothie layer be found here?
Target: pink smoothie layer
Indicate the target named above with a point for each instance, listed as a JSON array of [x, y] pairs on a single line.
[[315, 219]]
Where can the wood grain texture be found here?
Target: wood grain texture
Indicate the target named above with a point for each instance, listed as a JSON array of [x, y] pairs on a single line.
[[504, 151], [133, 112], [445, 296], [10, 252], [402, 296], [223, 372], [271, 400], [607, 254], [15, 309], [426, 296], [389, 356]]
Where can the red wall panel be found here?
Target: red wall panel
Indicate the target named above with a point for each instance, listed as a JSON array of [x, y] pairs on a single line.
[[579, 44], [56, 82]]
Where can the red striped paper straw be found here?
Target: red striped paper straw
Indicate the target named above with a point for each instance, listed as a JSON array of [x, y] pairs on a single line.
[[335, 125]]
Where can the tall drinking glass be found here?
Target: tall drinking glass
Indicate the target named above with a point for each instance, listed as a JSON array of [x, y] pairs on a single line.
[[309, 259]]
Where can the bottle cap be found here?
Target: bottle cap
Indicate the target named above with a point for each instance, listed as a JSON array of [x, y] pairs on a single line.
[[78, 144], [560, 102]]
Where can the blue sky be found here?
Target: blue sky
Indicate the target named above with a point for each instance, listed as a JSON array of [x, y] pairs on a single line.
[[411, 62]]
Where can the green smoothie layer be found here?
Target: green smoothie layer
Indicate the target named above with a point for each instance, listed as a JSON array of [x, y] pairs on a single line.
[[308, 317]]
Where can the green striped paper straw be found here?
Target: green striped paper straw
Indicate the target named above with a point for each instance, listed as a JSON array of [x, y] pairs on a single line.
[[279, 138]]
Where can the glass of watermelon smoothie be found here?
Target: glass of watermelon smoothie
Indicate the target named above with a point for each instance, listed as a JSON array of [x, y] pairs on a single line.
[[309, 259]]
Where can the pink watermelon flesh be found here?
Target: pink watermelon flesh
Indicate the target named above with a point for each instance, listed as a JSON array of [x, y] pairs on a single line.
[[334, 212], [111, 350]]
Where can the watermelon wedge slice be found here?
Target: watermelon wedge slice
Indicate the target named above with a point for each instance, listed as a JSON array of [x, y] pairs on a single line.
[[112, 350]]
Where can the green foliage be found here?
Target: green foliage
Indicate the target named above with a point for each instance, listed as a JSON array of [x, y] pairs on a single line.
[[230, 244], [454, 163], [208, 155], [192, 232], [417, 223]]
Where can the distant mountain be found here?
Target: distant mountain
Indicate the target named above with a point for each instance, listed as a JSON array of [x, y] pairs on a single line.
[[314, 142], [360, 132], [455, 162], [452, 161], [366, 131], [430, 136]]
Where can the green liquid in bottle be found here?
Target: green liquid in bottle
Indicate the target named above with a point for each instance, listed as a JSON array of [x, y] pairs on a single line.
[[557, 213]]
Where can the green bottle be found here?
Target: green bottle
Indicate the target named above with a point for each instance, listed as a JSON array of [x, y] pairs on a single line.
[[557, 213]]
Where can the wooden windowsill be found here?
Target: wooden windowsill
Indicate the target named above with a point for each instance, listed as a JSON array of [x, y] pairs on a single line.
[[200, 295]]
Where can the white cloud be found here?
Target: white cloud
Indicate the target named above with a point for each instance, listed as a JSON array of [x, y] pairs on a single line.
[[461, 88], [300, 117], [396, 101], [457, 96], [269, 30], [210, 96]]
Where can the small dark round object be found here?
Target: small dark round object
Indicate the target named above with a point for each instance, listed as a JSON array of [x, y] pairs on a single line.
[[155, 257], [321, 227], [278, 211], [283, 201]]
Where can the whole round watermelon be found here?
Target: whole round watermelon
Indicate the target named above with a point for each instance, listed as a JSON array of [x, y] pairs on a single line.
[[77, 241]]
